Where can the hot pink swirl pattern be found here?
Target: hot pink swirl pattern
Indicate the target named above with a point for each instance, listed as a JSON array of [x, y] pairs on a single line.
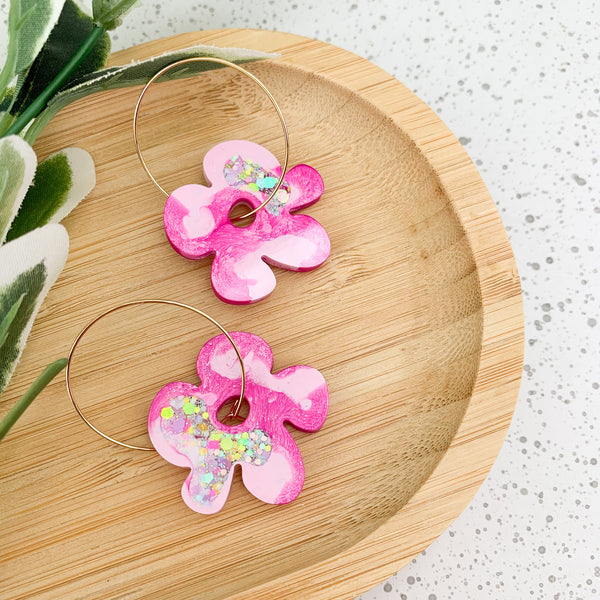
[[197, 221], [185, 430]]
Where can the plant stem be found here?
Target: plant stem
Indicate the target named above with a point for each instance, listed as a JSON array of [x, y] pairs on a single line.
[[40, 102], [5, 120], [48, 374]]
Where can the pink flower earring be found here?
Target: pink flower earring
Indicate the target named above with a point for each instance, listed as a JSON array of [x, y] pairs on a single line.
[[185, 430], [197, 218]]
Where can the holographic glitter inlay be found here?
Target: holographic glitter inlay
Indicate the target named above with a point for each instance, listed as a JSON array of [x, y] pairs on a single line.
[[212, 451], [198, 223], [247, 175]]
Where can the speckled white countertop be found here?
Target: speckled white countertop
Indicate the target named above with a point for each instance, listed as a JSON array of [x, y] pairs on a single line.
[[517, 82]]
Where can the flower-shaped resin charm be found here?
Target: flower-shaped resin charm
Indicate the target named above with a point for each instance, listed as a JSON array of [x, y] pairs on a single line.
[[197, 221], [185, 430]]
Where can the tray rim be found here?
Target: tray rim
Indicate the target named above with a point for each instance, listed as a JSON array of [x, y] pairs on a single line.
[[373, 557]]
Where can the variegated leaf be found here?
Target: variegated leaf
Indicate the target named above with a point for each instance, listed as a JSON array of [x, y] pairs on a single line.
[[30, 265], [71, 30], [29, 25], [138, 73], [61, 182], [17, 168]]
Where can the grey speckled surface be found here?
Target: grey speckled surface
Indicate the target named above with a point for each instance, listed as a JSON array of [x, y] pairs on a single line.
[[517, 81]]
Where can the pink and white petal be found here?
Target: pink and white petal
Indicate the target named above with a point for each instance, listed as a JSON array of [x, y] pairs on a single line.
[[188, 225], [217, 359], [307, 394], [279, 480], [307, 187], [305, 247], [240, 276]]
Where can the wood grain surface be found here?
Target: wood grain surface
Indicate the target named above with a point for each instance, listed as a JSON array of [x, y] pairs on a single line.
[[415, 321]]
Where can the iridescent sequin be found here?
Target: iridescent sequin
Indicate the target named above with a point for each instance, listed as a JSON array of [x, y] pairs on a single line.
[[212, 451], [249, 176], [198, 221]]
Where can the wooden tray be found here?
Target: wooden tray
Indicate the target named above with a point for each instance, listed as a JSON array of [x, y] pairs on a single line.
[[415, 321]]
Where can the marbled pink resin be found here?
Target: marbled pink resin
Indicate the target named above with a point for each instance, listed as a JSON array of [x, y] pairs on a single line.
[[197, 221], [185, 430]]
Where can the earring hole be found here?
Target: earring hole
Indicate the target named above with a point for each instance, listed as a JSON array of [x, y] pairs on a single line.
[[223, 414], [239, 209]]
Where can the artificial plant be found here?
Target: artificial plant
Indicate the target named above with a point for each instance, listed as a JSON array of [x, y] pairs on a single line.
[[55, 54]]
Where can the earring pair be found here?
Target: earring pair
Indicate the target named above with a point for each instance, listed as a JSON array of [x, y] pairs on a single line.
[[183, 422]]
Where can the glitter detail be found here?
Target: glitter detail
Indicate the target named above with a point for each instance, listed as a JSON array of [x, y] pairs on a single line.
[[213, 452], [166, 412], [270, 461], [198, 224], [247, 175]]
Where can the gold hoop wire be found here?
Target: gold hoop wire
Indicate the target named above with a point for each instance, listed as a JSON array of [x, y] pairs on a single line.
[[264, 88], [236, 407]]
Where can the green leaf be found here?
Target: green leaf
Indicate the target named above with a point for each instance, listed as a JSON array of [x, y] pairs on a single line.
[[109, 13], [6, 99], [60, 183], [8, 318], [138, 73], [29, 24], [30, 265], [17, 168], [35, 21], [70, 32], [47, 375]]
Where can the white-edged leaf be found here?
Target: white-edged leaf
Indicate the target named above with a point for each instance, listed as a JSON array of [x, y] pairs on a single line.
[[29, 25], [17, 168], [83, 180], [61, 182], [138, 73], [30, 265], [71, 32], [36, 20]]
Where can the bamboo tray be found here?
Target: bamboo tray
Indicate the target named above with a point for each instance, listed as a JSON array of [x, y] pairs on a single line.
[[415, 321]]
